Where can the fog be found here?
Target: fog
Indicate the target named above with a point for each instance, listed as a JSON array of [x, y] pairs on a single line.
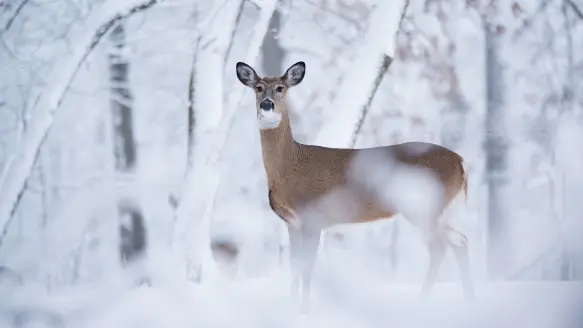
[[133, 188]]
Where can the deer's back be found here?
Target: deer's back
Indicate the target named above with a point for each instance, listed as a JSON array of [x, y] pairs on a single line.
[[337, 182]]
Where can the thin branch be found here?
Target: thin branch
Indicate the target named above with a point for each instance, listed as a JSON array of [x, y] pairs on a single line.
[[528, 21], [16, 13], [365, 109], [387, 60], [105, 28], [575, 8]]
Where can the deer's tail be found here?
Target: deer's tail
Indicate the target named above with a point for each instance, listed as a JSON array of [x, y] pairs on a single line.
[[464, 186]]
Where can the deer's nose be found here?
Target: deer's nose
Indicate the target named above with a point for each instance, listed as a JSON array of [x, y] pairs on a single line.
[[266, 105]]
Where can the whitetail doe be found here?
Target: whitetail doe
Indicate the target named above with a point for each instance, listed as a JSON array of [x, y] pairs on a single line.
[[312, 187]]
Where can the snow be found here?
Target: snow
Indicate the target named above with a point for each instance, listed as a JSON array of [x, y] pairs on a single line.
[[265, 302], [59, 262]]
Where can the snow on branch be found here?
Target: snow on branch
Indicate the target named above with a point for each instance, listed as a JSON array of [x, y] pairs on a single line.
[[359, 82], [387, 60], [86, 37], [377, 82]]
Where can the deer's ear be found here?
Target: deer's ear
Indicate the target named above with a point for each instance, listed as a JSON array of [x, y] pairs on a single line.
[[246, 74], [295, 74]]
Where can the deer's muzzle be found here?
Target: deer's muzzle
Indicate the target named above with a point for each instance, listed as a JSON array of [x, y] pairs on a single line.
[[267, 105]]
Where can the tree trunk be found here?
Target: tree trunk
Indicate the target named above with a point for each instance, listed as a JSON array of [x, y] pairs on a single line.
[[199, 191], [272, 52], [359, 82], [190, 234], [132, 229], [496, 154]]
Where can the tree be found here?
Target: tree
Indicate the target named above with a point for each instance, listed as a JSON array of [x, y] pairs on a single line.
[[374, 52], [193, 217], [271, 49], [85, 38], [496, 149], [132, 226]]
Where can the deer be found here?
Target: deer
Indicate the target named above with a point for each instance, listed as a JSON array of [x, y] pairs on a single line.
[[312, 188]]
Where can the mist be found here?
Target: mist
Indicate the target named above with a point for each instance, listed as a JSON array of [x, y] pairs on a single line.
[[133, 190]]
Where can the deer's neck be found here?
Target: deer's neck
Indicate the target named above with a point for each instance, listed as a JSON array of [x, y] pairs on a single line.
[[278, 148]]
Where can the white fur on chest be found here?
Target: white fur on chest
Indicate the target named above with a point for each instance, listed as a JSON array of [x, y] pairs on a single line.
[[269, 120]]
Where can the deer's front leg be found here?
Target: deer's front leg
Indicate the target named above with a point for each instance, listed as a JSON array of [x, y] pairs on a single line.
[[295, 247], [310, 244]]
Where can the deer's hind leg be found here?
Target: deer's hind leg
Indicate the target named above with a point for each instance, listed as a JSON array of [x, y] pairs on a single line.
[[436, 241], [437, 248], [459, 244]]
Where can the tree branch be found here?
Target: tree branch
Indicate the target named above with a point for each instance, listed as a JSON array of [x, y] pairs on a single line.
[[575, 8], [14, 15], [383, 21], [387, 60], [377, 82]]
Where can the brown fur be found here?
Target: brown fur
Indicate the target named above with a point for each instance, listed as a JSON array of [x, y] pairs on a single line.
[[299, 173], [301, 176]]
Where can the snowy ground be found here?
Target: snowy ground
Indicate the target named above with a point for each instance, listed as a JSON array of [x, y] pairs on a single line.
[[264, 303]]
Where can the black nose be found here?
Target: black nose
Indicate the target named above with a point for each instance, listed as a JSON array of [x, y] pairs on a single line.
[[266, 105]]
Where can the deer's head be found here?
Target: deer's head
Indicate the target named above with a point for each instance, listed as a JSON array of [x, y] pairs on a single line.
[[270, 92]]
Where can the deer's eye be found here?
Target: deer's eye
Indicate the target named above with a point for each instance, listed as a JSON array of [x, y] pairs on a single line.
[[279, 89], [259, 88]]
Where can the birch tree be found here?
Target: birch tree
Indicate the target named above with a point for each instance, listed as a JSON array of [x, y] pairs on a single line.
[[213, 123], [355, 90]]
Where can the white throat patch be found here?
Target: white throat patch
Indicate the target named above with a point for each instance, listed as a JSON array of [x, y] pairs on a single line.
[[269, 120]]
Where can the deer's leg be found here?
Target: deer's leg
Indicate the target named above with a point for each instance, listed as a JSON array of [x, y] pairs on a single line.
[[437, 247], [295, 247], [459, 244], [310, 244]]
